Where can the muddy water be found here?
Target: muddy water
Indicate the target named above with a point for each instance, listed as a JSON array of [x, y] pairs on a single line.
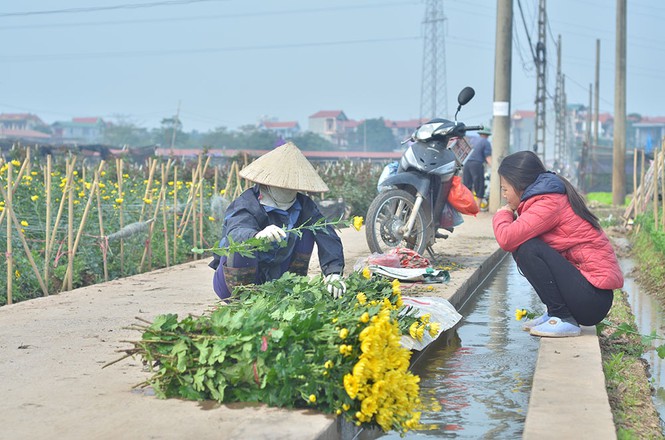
[[481, 378], [649, 316]]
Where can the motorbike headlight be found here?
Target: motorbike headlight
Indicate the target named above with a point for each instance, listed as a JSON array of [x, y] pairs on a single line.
[[425, 132], [442, 131]]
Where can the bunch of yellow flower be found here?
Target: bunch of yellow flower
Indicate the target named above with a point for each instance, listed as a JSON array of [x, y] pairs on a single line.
[[387, 392], [418, 328]]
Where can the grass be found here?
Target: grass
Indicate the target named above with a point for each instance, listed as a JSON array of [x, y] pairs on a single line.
[[628, 387]]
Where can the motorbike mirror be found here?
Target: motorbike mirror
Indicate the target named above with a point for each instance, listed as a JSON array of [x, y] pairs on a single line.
[[465, 95], [463, 98]]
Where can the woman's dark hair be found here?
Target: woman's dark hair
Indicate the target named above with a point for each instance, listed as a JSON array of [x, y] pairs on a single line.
[[521, 169]]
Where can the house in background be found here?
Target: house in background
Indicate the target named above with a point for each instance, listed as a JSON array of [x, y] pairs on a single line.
[[403, 129], [285, 129], [329, 124], [79, 130], [649, 133], [24, 127], [522, 130]]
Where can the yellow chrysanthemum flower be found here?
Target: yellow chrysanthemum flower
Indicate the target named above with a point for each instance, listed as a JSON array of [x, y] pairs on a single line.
[[329, 364], [434, 328], [211, 218], [16, 163], [364, 317], [34, 198], [147, 201], [367, 273], [357, 223], [362, 298], [343, 333], [312, 398], [24, 223], [413, 329], [119, 201], [520, 313]]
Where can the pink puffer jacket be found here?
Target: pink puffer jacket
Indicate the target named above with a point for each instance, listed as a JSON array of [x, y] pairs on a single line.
[[551, 218]]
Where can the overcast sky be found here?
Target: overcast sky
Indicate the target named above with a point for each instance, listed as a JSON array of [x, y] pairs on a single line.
[[231, 62]]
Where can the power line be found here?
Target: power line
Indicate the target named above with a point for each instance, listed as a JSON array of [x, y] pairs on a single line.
[[104, 8], [145, 53], [208, 17]]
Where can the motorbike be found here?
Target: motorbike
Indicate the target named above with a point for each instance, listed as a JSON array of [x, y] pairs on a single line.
[[409, 209]]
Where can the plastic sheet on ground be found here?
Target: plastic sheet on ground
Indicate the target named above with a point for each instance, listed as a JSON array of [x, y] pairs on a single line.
[[426, 274], [440, 311]]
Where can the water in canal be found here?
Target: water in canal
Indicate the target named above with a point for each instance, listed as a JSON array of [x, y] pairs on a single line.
[[481, 378], [649, 316]]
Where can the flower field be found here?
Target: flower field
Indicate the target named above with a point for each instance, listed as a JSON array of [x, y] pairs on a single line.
[[68, 223]]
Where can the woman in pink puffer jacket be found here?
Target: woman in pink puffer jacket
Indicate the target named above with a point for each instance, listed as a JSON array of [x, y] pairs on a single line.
[[558, 246]]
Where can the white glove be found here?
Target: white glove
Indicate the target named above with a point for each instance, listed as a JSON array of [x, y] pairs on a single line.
[[271, 233], [335, 285]]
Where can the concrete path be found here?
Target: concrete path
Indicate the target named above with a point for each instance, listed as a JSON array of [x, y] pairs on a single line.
[[52, 350]]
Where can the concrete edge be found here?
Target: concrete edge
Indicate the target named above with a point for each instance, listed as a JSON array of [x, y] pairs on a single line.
[[568, 396]]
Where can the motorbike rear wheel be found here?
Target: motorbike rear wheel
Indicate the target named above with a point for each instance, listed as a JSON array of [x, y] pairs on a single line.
[[388, 213]]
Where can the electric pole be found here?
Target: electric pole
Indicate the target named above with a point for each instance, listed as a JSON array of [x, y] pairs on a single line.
[[541, 83], [433, 95], [501, 106], [558, 106], [597, 97], [619, 156]]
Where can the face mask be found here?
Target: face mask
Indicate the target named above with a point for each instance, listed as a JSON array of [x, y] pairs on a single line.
[[281, 198]]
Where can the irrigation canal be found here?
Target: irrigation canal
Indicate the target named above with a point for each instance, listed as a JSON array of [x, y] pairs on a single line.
[[480, 378]]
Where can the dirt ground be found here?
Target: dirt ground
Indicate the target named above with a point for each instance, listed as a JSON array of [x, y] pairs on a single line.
[[52, 351]]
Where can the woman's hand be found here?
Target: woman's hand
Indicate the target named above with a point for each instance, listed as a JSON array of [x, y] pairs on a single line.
[[506, 207]]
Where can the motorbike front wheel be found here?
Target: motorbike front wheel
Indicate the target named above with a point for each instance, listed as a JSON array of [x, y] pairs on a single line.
[[388, 215]]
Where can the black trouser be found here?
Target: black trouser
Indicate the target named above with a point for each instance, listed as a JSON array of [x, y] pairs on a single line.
[[560, 285], [473, 177]]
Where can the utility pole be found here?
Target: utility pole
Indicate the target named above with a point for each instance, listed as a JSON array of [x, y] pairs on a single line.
[[541, 83], [558, 106], [433, 95], [619, 156], [501, 106], [175, 127], [597, 97]]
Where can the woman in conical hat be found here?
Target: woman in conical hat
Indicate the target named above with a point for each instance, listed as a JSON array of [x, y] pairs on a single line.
[[276, 202]]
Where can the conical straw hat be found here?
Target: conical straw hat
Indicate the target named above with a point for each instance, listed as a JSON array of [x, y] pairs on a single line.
[[285, 167]]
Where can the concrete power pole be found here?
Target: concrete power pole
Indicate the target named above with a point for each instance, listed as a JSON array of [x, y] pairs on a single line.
[[559, 127], [597, 97], [619, 156], [541, 81], [501, 107], [433, 94]]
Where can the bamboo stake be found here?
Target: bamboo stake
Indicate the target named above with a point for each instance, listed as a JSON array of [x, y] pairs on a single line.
[[69, 275], [47, 237], [119, 165], [147, 250], [151, 173], [10, 258], [656, 162], [84, 218], [662, 187], [187, 212], [634, 173], [175, 214], [165, 231], [26, 248], [104, 242], [216, 178], [69, 167], [642, 176]]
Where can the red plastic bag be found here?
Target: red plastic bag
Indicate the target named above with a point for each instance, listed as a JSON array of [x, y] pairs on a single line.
[[461, 198]]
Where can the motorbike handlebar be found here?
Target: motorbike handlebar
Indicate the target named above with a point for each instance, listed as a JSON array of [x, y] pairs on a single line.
[[474, 127]]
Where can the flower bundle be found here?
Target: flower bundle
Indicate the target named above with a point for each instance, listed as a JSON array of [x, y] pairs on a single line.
[[288, 343]]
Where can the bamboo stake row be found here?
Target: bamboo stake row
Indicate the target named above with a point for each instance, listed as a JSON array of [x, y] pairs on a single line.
[[652, 185], [191, 217]]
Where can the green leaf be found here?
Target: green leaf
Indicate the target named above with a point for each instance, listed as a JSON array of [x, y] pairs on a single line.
[[661, 351]]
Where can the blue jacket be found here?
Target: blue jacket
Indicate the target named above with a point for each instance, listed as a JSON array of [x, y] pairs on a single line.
[[245, 216]]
